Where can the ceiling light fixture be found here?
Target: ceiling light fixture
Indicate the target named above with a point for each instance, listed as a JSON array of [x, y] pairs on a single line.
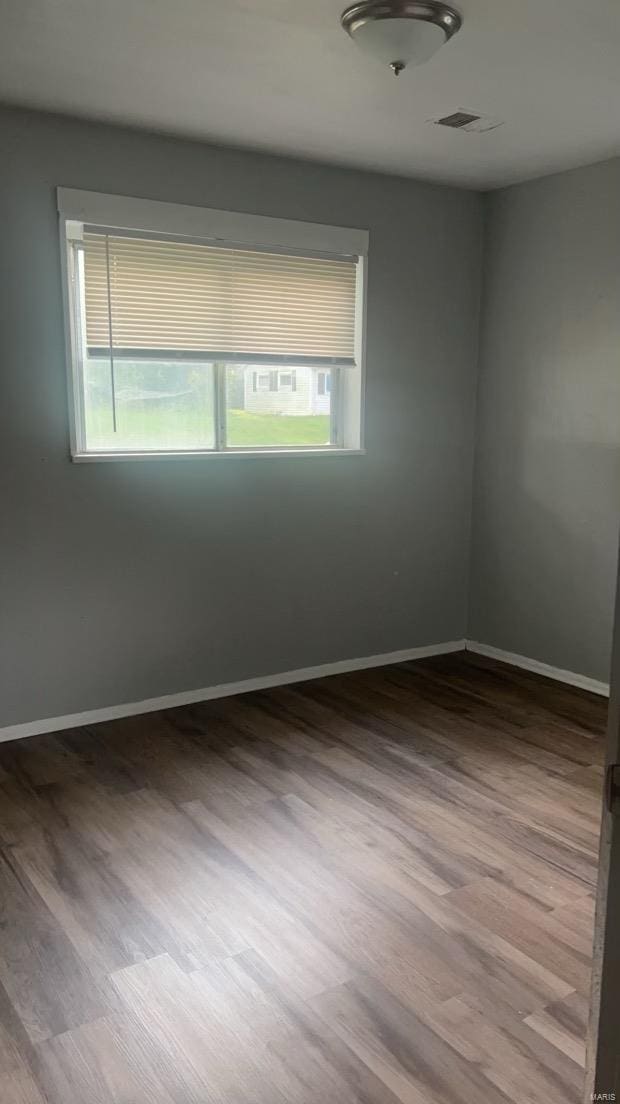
[[400, 32]]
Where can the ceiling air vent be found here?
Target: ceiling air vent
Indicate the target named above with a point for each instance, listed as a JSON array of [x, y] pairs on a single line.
[[470, 121], [457, 119]]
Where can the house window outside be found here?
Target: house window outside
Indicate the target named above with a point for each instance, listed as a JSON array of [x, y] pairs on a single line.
[[262, 381], [181, 345], [324, 383]]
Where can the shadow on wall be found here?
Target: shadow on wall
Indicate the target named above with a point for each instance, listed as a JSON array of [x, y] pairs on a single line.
[[547, 497], [547, 572]]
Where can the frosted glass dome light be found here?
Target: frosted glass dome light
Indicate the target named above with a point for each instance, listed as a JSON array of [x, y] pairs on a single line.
[[400, 32]]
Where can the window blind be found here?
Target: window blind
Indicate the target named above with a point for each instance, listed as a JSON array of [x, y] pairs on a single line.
[[159, 298]]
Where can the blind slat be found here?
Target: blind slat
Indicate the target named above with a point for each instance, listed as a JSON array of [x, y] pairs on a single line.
[[153, 295]]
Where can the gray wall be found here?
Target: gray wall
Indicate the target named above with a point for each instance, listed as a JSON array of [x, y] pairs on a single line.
[[547, 485], [122, 581]]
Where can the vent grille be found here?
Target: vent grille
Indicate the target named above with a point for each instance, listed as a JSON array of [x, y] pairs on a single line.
[[472, 122], [457, 119]]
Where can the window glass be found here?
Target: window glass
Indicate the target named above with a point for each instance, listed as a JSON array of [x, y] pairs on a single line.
[[294, 414], [148, 405]]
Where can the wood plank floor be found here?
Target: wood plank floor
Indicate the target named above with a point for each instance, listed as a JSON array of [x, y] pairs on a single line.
[[371, 888]]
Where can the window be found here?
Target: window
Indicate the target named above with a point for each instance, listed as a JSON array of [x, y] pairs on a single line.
[[262, 381], [324, 383], [198, 331]]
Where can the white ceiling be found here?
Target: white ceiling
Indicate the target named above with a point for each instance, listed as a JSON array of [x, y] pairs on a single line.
[[281, 75]]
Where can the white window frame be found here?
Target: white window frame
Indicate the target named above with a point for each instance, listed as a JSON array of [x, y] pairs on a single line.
[[76, 208]]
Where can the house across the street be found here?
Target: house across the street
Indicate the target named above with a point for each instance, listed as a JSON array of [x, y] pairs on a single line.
[[286, 390]]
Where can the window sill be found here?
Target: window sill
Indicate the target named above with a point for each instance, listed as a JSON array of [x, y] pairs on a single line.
[[106, 457]]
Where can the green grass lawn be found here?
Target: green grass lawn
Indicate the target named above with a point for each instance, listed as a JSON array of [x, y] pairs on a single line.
[[277, 429], [140, 428]]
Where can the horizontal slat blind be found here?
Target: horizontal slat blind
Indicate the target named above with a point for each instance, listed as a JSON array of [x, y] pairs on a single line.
[[150, 297]]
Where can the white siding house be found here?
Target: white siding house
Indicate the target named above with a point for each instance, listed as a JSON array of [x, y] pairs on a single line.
[[286, 390]]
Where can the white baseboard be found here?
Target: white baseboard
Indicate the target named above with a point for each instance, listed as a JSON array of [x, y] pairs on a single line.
[[224, 690], [302, 674], [557, 673]]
